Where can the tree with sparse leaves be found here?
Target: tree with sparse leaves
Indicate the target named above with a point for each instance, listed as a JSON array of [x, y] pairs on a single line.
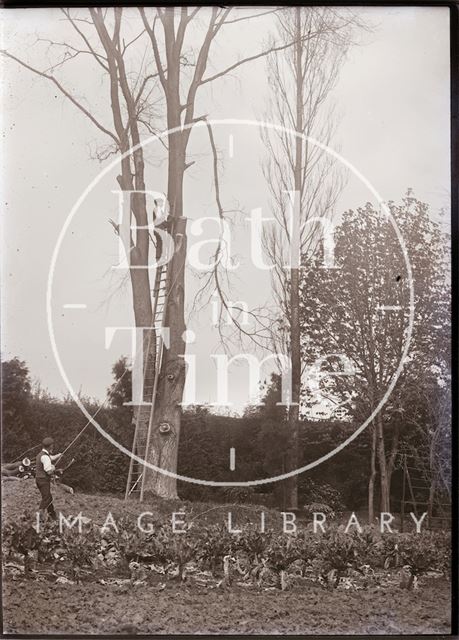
[[303, 179]]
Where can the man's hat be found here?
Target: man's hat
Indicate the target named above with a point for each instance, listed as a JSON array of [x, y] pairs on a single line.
[[47, 442]]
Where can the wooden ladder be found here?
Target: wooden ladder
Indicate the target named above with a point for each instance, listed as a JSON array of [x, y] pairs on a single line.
[[140, 445]]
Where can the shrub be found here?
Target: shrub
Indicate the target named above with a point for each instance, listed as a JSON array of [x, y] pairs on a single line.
[[280, 554], [238, 495], [319, 507], [213, 544], [181, 549], [253, 543], [423, 552], [338, 552], [312, 492]]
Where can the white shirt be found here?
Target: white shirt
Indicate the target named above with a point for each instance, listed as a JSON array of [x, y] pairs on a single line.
[[47, 461]]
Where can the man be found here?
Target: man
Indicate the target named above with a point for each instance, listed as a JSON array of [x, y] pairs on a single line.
[[43, 474]]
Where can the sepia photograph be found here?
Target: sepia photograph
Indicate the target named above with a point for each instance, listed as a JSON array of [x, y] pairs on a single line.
[[226, 320]]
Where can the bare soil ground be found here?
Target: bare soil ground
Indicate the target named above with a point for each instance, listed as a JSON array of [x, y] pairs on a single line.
[[30, 607]]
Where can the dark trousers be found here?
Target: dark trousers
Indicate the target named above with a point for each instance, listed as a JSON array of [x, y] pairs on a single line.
[[44, 486]]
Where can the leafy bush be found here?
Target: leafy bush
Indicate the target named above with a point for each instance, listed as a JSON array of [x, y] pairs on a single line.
[[282, 552], [20, 537], [213, 544], [180, 550], [253, 544], [312, 492], [238, 494], [319, 507], [420, 552]]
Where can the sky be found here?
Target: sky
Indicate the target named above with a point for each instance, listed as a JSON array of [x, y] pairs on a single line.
[[392, 108]]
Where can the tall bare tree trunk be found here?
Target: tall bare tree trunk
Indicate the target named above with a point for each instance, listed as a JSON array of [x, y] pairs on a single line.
[[383, 475], [392, 457], [165, 432], [140, 280], [163, 450], [295, 333], [301, 82], [372, 478]]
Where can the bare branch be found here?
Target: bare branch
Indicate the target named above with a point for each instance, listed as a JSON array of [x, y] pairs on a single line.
[[255, 335], [254, 15], [126, 46], [151, 76], [256, 56], [64, 91], [96, 55], [151, 33]]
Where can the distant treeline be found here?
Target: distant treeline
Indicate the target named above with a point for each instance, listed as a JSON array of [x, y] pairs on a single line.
[[258, 438]]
